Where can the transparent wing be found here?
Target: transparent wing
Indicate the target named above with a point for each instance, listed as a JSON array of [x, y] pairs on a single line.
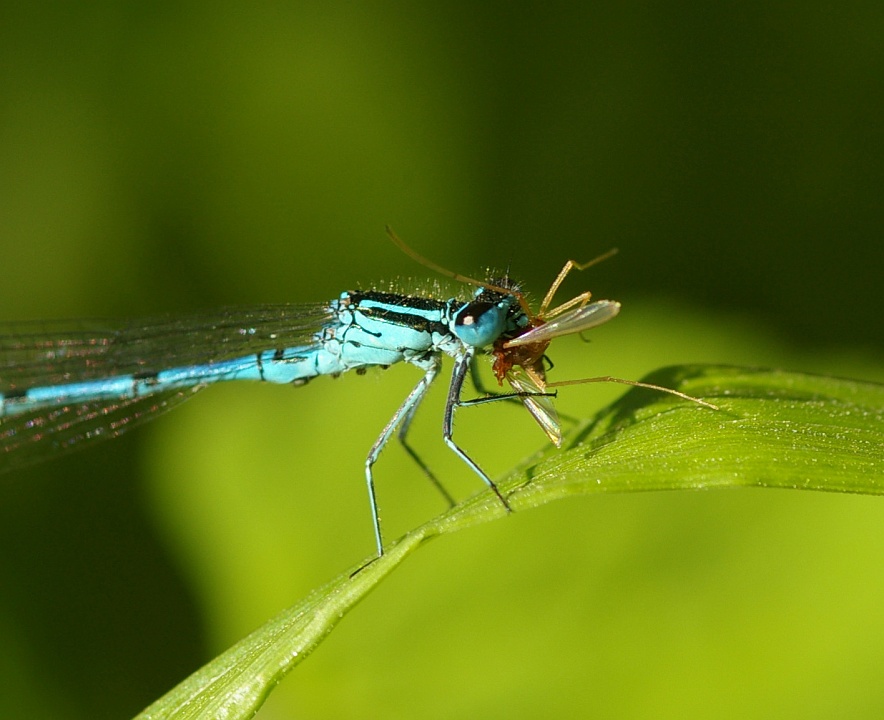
[[540, 406], [33, 437], [49, 353], [43, 354], [568, 323]]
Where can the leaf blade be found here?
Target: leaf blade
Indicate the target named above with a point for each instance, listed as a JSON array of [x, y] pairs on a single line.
[[774, 429]]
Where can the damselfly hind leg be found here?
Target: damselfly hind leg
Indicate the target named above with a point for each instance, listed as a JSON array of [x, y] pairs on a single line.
[[405, 412]]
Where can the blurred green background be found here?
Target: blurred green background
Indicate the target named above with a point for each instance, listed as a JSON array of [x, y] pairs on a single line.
[[181, 156]]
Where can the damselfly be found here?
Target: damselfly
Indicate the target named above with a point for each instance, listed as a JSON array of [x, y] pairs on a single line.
[[63, 385]]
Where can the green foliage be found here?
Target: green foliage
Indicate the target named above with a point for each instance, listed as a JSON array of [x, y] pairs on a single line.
[[773, 429]]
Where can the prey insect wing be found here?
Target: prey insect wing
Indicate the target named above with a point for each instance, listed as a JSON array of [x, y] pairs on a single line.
[[568, 323], [537, 401]]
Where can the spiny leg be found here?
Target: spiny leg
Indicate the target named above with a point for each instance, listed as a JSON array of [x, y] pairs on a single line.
[[490, 395], [634, 383], [461, 366], [405, 411], [582, 299]]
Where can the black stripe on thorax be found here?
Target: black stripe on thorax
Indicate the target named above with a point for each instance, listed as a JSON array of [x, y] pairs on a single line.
[[395, 299], [394, 309]]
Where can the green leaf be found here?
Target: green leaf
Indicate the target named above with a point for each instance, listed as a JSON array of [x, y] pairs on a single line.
[[772, 429]]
